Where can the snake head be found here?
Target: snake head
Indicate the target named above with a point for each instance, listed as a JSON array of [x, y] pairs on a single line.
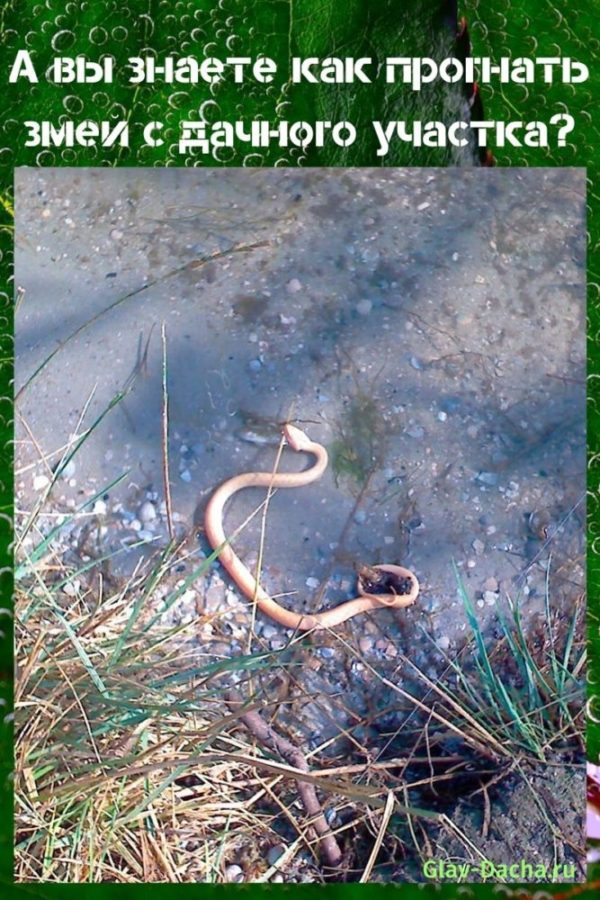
[[392, 586], [295, 437]]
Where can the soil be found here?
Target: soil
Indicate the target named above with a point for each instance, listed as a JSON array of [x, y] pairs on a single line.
[[427, 326]]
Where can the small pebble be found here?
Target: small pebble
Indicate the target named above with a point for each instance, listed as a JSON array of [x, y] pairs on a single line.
[[269, 632], [186, 475], [293, 286], [69, 470], [71, 588], [489, 478], [234, 873], [442, 416], [490, 597], [478, 546], [331, 817], [255, 365], [490, 584], [278, 644], [415, 363], [415, 524], [443, 642], [99, 508], [147, 512], [365, 644], [360, 517], [40, 482], [415, 431], [423, 206], [275, 853], [364, 307], [312, 583]]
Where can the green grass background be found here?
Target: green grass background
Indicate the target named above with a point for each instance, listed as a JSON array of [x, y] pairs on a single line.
[[281, 29]]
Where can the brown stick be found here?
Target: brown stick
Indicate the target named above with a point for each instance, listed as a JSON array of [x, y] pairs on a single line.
[[266, 736]]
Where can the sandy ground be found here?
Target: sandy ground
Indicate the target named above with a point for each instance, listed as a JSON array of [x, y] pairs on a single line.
[[427, 326]]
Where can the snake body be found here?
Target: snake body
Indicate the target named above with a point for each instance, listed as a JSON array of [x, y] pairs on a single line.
[[213, 523]]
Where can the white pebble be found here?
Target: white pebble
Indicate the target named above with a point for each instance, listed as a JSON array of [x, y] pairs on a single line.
[[312, 583], [147, 512], [69, 470], [40, 482], [443, 642], [234, 873], [71, 588], [293, 286], [99, 508], [364, 307]]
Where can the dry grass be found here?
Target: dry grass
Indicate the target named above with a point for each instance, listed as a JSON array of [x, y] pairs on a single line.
[[131, 767]]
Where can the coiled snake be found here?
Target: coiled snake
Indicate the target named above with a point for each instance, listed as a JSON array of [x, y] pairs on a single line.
[[401, 582]]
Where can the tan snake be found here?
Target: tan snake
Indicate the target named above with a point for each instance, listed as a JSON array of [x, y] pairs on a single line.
[[213, 524]]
